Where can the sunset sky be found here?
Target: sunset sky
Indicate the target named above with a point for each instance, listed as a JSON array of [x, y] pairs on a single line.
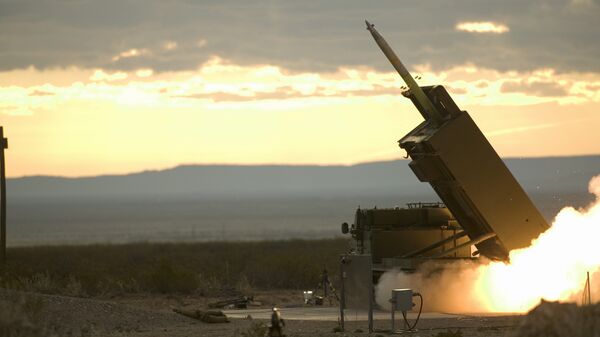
[[92, 87]]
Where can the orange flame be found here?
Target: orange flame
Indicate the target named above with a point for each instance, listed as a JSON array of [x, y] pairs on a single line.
[[553, 268]]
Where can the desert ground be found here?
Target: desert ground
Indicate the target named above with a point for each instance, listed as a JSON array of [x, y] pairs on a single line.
[[152, 315]]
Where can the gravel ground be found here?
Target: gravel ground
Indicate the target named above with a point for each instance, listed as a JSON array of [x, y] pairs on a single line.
[[151, 315]]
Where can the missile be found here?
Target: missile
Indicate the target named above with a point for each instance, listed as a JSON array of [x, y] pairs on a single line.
[[414, 88]]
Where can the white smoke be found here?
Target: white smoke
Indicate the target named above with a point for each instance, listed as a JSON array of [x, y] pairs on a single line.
[[444, 290], [594, 186]]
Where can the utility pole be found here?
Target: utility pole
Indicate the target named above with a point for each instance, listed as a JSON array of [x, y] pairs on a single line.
[[3, 145]]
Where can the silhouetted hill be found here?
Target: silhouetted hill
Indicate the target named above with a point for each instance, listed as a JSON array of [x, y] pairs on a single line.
[[557, 174]]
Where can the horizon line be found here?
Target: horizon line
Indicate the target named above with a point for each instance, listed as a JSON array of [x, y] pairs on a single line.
[[168, 168]]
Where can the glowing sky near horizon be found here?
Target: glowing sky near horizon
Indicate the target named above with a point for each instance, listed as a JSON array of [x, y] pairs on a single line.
[[138, 107], [88, 121]]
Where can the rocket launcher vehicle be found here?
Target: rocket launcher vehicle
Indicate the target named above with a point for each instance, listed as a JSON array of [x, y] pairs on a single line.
[[450, 153]]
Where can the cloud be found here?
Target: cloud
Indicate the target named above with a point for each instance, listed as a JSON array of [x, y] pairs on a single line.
[[512, 130], [301, 36], [482, 27], [582, 2], [288, 92], [218, 81], [38, 92], [457, 90], [592, 87], [534, 88], [144, 73], [134, 53], [170, 45], [15, 111], [100, 75]]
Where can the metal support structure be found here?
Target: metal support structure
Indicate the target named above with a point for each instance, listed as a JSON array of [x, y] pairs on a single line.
[[393, 318], [589, 290], [469, 243], [372, 294], [586, 296], [342, 295], [3, 145], [435, 245], [357, 291]]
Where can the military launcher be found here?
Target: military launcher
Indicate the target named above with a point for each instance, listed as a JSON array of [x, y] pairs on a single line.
[[484, 211]]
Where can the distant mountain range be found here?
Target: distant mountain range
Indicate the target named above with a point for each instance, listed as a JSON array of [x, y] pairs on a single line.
[[215, 202], [536, 175]]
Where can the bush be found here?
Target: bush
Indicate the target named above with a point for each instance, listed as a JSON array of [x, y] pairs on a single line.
[[256, 329], [168, 278], [19, 318]]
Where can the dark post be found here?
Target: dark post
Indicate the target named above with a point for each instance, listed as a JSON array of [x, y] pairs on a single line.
[[3, 145], [343, 294]]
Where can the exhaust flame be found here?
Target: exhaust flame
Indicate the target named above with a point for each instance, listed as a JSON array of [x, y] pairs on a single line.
[[553, 268]]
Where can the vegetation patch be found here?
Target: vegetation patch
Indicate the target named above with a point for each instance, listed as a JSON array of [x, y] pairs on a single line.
[[201, 268]]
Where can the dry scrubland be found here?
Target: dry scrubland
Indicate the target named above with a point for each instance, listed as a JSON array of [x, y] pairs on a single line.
[[128, 290], [151, 274], [192, 268]]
